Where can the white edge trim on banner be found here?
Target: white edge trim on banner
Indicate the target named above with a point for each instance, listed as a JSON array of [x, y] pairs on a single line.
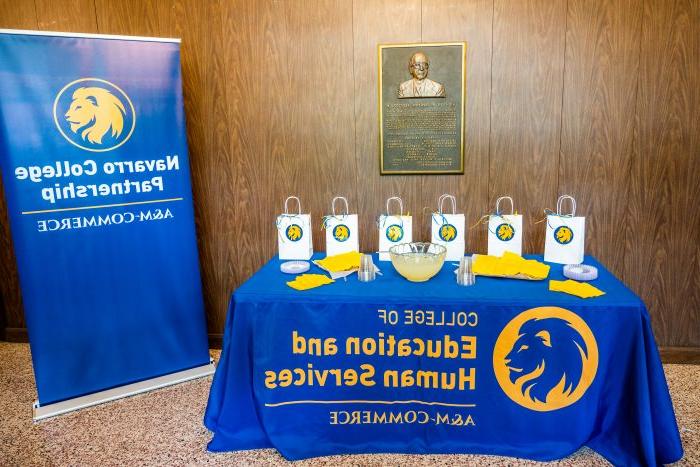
[[31, 32], [58, 408]]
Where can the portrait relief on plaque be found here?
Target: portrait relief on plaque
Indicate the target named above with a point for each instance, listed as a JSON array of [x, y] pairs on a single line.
[[420, 85], [421, 108]]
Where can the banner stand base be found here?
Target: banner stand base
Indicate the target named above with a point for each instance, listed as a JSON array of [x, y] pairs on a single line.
[[58, 408]]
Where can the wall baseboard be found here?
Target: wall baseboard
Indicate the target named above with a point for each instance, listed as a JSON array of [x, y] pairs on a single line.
[[690, 355], [686, 355], [216, 340], [14, 335]]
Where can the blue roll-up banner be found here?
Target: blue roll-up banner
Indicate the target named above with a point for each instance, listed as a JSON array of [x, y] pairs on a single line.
[[94, 163]]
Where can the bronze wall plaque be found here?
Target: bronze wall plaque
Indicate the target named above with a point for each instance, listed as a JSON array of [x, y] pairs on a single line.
[[421, 108]]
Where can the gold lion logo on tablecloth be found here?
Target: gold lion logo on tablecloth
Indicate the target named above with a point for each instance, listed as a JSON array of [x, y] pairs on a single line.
[[545, 358]]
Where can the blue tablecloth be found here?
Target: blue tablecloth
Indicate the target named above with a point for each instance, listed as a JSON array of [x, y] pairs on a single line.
[[503, 367]]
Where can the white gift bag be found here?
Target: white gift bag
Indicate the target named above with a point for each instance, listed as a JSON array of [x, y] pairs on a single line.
[[448, 229], [294, 234], [564, 239], [505, 231], [393, 230], [342, 234]]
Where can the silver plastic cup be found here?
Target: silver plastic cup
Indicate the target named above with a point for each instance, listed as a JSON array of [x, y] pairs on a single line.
[[367, 272], [465, 275]]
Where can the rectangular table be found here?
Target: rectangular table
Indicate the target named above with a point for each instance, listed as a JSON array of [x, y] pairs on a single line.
[[504, 367]]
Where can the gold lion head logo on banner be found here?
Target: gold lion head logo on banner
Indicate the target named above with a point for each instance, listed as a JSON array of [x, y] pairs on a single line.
[[95, 111], [94, 114], [545, 358]]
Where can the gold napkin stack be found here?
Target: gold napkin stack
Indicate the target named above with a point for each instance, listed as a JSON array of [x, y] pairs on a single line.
[[337, 263], [509, 265]]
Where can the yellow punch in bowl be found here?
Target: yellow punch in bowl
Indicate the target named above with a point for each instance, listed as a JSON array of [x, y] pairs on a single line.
[[417, 261]]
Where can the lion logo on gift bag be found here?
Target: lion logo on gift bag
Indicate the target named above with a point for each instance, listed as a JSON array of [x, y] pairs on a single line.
[[545, 358], [563, 234], [448, 232], [94, 114], [394, 233], [505, 232], [341, 232], [294, 232]]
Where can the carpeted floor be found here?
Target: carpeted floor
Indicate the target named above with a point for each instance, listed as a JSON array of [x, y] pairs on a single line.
[[165, 428]]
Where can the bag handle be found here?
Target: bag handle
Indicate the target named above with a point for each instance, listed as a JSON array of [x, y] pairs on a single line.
[[286, 209], [498, 204], [398, 200], [347, 208], [452, 199], [560, 204]]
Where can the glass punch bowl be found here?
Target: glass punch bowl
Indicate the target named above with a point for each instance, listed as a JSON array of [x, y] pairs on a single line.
[[417, 261]]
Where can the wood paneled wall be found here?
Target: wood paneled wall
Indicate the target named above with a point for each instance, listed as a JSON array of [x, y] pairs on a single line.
[[596, 98]]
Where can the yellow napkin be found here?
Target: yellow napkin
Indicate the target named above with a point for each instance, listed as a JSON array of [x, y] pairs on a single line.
[[509, 264], [309, 281], [341, 262], [580, 289]]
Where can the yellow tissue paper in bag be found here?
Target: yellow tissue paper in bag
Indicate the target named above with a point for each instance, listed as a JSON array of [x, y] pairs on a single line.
[[309, 281], [572, 287]]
